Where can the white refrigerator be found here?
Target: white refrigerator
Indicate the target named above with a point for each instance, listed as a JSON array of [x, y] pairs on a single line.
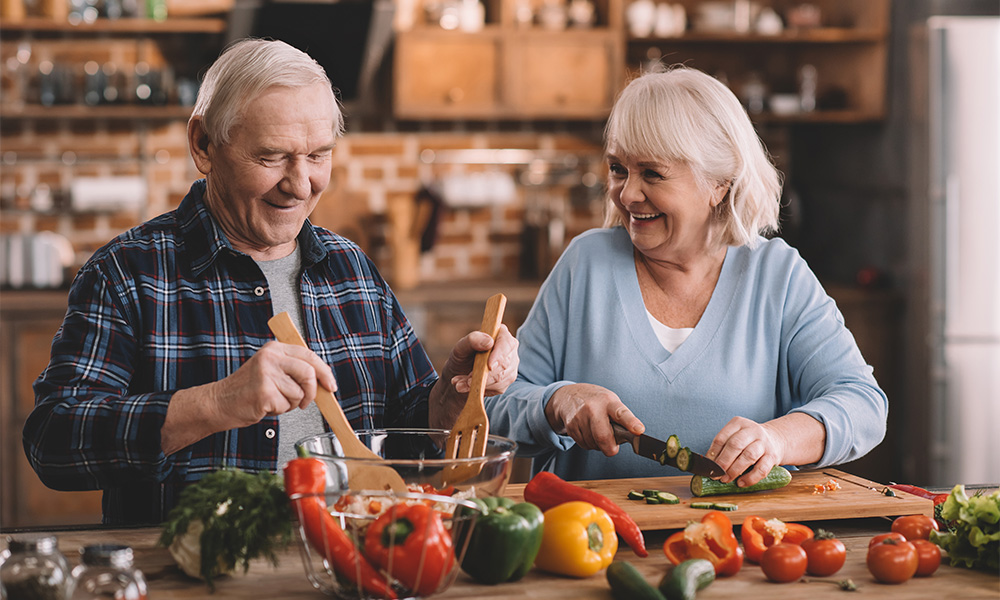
[[963, 271]]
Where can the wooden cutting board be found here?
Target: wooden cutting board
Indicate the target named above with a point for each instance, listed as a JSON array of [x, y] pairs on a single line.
[[857, 497]]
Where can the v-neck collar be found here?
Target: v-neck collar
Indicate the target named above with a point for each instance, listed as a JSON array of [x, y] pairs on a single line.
[[627, 283]]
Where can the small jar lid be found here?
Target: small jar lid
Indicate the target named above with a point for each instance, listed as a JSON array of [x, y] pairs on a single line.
[[32, 543], [107, 555]]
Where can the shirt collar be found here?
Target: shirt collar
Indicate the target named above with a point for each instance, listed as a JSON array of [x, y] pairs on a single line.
[[206, 241]]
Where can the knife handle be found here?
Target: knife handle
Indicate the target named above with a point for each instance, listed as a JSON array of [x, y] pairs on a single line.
[[624, 436]]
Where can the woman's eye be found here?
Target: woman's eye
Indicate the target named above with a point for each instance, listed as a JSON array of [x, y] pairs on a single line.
[[617, 170], [651, 174]]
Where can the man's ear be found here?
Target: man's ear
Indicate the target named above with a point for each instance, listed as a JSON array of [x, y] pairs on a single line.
[[198, 145]]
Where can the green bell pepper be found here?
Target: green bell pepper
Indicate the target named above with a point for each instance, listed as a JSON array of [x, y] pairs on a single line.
[[504, 540]]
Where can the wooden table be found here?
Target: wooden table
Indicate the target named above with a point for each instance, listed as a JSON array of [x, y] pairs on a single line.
[[288, 581]]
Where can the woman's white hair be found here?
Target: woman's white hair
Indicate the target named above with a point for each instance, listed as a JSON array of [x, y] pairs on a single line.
[[245, 70], [683, 115]]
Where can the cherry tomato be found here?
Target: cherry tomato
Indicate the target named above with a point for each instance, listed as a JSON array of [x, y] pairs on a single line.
[[915, 527], [892, 561], [928, 557], [784, 562], [899, 537], [826, 554]]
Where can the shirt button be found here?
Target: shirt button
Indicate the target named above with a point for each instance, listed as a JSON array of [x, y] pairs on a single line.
[[258, 291], [270, 433]]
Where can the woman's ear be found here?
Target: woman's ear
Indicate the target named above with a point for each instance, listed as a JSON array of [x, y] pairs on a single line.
[[198, 145], [720, 193]]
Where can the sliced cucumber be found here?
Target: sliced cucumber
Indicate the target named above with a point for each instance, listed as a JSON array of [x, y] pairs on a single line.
[[634, 495], [667, 498], [703, 505], [725, 506], [652, 500], [703, 486], [683, 458], [648, 493], [673, 447]]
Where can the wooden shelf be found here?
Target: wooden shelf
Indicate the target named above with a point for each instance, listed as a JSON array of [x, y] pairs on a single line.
[[110, 112], [826, 35], [124, 26]]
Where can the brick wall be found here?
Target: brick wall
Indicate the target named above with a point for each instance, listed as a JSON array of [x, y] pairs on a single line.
[[375, 173]]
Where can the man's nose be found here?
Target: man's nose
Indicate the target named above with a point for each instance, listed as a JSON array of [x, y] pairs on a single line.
[[297, 180]]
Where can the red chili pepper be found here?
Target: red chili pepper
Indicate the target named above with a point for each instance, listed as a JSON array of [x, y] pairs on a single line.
[[412, 543], [307, 476], [758, 535], [712, 539], [547, 490], [912, 489]]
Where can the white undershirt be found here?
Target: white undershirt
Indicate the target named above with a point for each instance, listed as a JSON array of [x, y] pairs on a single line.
[[670, 338]]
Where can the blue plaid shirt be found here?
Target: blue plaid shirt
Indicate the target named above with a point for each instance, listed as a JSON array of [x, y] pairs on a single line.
[[170, 305]]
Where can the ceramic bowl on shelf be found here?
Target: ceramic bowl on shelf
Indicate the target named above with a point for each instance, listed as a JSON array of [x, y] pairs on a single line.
[[378, 544]]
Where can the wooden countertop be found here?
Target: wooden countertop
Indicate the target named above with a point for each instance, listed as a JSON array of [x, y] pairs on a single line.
[[288, 581]]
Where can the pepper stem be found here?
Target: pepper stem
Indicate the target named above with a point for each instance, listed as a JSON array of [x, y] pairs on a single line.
[[396, 532], [595, 537]]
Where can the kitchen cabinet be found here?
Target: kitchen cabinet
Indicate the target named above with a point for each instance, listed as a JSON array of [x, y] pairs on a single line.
[[510, 69], [845, 49], [28, 320]]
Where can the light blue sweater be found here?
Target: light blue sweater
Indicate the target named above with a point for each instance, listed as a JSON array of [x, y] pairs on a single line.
[[770, 342]]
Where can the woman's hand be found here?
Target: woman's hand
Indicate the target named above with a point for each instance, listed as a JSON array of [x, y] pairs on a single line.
[[793, 439], [584, 412]]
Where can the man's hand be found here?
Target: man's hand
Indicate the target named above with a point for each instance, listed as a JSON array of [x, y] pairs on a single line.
[[277, 379], [584, 412], [450, 392]]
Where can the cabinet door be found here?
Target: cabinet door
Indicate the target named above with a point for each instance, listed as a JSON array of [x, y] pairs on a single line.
[[565, 76], [446, 75], [26, 501]]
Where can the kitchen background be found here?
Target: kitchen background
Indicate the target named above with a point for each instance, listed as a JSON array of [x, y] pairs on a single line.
[[473, 156]]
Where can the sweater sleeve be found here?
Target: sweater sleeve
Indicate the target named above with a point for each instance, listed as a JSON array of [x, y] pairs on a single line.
[[828, 374], [519, 413]]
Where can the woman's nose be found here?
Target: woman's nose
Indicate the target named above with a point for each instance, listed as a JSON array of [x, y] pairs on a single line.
[[631, 190]]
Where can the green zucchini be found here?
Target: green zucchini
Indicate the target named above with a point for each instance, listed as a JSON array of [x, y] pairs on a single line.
[[686, 579], [703, 486], [627, 583]]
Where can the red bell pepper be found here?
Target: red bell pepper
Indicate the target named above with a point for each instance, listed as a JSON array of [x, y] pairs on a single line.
[[712, 539], [411, 543], [546, 490], [307, 476], [758, 535]]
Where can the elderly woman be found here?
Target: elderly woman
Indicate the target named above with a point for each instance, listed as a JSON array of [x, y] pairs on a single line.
[[679, 317]]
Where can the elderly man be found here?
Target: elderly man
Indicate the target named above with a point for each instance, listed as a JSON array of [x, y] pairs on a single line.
[[164, 368]]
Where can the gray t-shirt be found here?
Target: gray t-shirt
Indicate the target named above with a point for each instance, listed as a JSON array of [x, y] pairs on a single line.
[[283, 277]]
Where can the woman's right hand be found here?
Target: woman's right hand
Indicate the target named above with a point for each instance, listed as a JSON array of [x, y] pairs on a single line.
[[584, 412]]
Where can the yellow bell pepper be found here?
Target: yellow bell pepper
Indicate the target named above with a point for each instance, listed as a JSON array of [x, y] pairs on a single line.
[[578, 540]]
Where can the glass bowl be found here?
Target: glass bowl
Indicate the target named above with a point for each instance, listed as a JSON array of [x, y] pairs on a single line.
[[350, 537]]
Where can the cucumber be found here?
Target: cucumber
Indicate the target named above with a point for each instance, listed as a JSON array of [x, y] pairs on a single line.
[[725, 506], [648, 493], [634, 495], [703, 505], [667, 498], [652, 500], [627, 583], [673, 446], [703, 486], [683, 458], [686, 579]]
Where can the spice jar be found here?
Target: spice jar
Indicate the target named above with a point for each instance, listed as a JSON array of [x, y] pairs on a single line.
[[106, 571], [32, 568]]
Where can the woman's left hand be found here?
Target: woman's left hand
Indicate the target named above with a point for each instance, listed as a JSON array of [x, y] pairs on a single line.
[[742, 444]]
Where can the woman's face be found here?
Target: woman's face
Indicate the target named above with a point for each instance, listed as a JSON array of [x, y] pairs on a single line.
[[668, 216], [267, 180]]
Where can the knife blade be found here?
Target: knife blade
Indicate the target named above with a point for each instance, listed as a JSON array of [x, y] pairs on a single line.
[[654, 449]]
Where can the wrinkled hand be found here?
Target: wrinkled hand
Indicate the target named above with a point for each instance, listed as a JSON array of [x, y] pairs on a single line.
[[278, 378], [584, 412], [742, 444], [503, 361]]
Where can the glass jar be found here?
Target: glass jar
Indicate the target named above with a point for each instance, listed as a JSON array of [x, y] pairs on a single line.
[[32, 568], [106, 571]]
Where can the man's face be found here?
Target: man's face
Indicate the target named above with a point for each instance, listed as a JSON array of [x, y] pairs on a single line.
[[265, 182]]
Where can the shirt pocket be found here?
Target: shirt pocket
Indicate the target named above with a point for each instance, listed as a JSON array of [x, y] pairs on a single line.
[[358, 360]]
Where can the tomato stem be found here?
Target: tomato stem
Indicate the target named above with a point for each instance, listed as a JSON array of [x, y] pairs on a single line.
[[847, 585]]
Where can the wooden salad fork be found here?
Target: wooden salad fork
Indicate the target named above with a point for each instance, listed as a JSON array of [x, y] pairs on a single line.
[[361, 475], [472, 428]]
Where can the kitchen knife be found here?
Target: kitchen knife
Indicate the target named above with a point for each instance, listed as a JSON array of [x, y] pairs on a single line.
[[655, 449]]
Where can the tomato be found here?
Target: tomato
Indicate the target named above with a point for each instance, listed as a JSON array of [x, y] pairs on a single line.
[[899, 537], [892, 561], [928, 557], [784, 562], [915, 527], [826, 554]]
